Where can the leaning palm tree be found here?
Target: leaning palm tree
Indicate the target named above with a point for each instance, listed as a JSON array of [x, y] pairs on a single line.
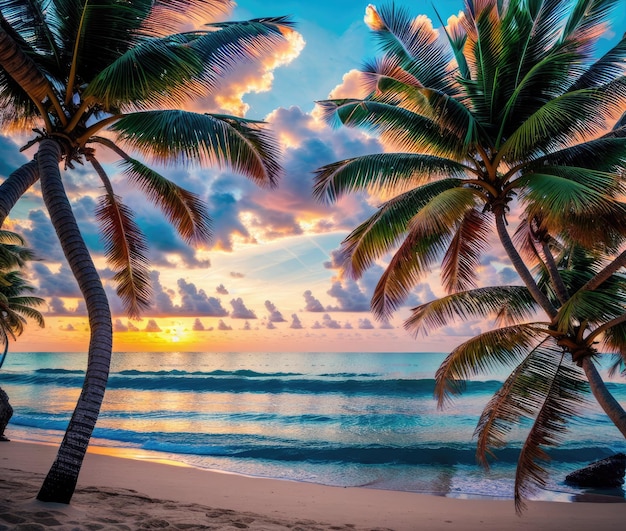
[[512, 115], [96, 76], [546, 386]]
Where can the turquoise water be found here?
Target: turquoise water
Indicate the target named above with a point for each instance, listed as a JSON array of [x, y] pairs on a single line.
[[344, 419]]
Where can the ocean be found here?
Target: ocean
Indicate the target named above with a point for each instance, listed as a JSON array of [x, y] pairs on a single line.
[[344, 419]]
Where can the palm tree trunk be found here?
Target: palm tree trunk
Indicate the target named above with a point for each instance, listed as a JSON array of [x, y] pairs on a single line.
[[61, 480], [607, 402], [520, 267], [15, 186]]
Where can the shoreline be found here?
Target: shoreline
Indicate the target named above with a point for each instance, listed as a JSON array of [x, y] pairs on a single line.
[[218, 500]]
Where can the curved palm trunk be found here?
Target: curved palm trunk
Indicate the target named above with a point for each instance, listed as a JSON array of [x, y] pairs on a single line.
[[520, 267], [607, 402], [61, 480], [15, 186]]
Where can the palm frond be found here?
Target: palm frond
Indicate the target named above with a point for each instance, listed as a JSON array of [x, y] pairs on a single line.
[[507, 304], [383, 230], [381, 172], [24, 306], [174, 136], [429, 233], [104, 29], [460, 263], [184, 209], [502, 347], [416, 46], [558, 122], [555, 390], [167, 16], [593, 306], [607, 68], [125, 249], [561, 189], [587, 19], [152, 73], [399, 126]]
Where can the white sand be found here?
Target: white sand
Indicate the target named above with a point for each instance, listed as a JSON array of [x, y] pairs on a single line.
[[120, 493]]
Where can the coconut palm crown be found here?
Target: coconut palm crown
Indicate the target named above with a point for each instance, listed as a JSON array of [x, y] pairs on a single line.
[[96, 77], [508, 109]]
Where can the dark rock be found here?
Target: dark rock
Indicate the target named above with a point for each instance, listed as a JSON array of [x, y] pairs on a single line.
[[607, 473]]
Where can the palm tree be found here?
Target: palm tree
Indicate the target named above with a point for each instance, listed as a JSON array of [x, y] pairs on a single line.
[[109, 75], [513, 115], [15, 305]]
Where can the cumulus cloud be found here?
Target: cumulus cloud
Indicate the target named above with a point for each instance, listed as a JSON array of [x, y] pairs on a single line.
[[60, 284], [386, 325], [311, 303], [221, 290], [365, 324], [132, 327], [221, 325], [349, 296], [56, 306], [197, 326], [152, 326], [240, 311], [246, 326], [270, 325], [274, 315], [329, 322], [236, 274], [194, 301], [68, 328], [118, 326], [295, 322]]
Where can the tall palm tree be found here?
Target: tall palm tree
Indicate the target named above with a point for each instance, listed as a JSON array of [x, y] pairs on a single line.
[[93, 76], [513, 114], [16, 306]]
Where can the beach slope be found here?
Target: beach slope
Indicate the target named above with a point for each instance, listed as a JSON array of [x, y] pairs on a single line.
[[120, 493]]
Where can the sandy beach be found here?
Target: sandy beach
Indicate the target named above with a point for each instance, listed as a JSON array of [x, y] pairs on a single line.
[[121, 493]]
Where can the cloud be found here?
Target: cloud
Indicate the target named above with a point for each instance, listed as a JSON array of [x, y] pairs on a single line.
[[40, 235], [295, 322], [10, 157], [68, 328], [365, 324], [152, 326], [311, 303], [132, 327], [270, 325], [118, 326], [274, 315], [329, 322], [197, 326], [235, 274], [240, 311], [246, 326], [349, 296], [60, 284], [221, 290], [386, 325], [221, 325], [194, 301], [56, 306]]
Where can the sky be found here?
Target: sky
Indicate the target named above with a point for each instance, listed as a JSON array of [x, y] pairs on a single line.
[[269, 280]]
